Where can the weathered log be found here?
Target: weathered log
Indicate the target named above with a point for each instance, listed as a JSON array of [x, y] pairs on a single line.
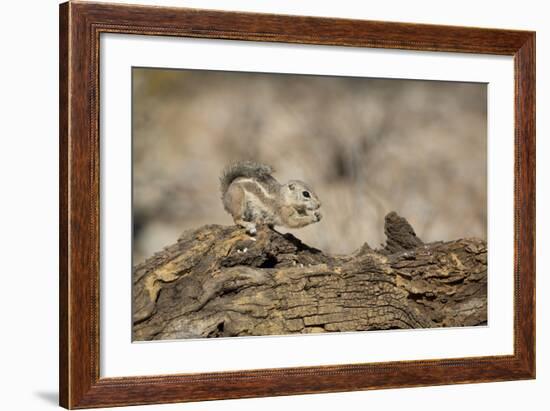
[[217, 281]]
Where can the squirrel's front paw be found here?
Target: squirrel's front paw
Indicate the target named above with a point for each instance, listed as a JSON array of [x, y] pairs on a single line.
[[317, 216]]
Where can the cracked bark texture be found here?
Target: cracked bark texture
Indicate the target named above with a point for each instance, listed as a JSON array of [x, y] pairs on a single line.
[[217, 281]]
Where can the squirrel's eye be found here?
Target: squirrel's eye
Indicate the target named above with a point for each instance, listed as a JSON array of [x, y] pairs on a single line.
[[305, 194]]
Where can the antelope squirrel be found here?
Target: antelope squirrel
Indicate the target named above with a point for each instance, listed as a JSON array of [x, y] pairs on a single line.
[[254, 197]]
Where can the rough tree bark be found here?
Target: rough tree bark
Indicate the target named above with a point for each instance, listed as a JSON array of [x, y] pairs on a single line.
[[218, 281]]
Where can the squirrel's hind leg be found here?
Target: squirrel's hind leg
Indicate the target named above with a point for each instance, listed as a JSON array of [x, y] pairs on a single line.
[[247, 225], [246, 219], [236, 203]]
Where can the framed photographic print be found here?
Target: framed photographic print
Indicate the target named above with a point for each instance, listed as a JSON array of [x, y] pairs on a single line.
[[257, 205]]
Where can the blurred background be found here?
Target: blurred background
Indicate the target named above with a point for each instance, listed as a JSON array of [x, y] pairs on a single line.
[[366, 146]]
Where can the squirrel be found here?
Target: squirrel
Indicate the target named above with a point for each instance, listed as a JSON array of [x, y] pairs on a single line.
[[254, 197]]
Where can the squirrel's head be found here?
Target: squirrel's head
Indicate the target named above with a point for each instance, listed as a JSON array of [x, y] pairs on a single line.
[[299, 195]]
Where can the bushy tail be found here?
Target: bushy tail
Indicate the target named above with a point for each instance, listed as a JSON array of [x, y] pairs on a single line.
[[243, 169]]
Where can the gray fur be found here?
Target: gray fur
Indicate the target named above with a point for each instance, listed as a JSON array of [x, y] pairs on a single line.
[[250, 169]]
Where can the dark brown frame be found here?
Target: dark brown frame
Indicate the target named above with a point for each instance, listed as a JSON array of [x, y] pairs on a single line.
[[80, 27]]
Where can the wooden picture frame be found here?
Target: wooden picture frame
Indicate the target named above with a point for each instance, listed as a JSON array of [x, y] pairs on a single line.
[[80, 27]]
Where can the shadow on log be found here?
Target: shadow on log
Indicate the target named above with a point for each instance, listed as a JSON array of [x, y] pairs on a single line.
[[217, 281]]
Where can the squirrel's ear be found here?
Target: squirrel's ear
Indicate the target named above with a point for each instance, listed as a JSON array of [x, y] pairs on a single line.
[[292, 186]]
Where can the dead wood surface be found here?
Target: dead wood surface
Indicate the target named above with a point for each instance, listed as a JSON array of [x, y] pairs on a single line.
[[217, 281]]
